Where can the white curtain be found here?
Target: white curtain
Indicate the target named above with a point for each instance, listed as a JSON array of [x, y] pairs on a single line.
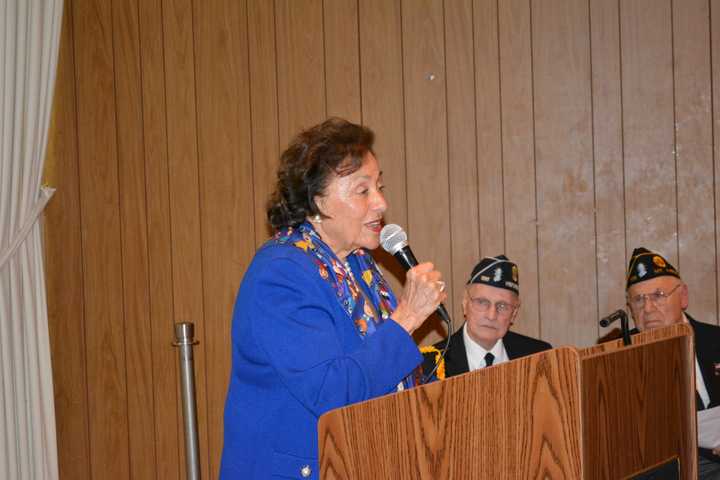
[[29, 39]]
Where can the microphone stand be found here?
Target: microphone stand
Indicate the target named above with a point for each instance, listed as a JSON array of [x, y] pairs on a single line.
[[624, 324], [625, 329]]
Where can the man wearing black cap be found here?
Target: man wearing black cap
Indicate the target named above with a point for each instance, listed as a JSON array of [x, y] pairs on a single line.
[[657, 297], [490, 304]]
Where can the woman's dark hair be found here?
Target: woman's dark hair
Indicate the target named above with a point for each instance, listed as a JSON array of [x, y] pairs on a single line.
[[335, 146]]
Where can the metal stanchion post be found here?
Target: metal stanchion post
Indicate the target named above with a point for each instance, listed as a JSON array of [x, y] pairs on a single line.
[[184, 333]]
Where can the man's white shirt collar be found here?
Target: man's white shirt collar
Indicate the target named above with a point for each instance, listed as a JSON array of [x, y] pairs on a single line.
[[476, 353], [699, 382]]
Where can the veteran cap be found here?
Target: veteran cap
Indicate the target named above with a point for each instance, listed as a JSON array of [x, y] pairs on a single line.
[[497, 272], [645, 265]]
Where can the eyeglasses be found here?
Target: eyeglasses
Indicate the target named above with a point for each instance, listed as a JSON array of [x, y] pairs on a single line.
[[657, 298], [482, 305]]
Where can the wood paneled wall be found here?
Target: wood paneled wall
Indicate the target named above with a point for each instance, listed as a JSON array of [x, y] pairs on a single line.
[[561, 132]]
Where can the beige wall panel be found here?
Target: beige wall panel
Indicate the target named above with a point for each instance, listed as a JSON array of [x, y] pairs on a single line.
[[383, 109], [300, 67], [131, 171], [168, 436], [63, 270], [426, 139], [382, 97], [342, 59], [226, 190], [608, 154], [715, 58], [518, 155], [187, 268], [462, 163], [264, 108], [102, 261], [491, 234], [170, 115], [694, 161], [650, 189], [563, 156]]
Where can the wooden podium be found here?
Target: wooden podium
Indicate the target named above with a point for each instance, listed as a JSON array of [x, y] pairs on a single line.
[[605, 412]]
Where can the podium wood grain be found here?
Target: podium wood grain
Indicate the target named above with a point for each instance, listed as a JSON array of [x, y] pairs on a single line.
[[533, 401], [605, 412], [620, 387]]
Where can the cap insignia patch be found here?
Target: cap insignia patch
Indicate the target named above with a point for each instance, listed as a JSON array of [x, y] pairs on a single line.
[[498, 275], [641, 270]]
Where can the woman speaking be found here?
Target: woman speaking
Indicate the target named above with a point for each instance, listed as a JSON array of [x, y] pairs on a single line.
[[315, 324]]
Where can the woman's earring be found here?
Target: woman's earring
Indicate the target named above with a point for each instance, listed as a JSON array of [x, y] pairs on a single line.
[[317, 218]]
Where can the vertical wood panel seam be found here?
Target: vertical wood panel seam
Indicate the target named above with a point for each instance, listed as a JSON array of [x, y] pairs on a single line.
[[178, 434], [447, 158], [675, 146], [84, 259], [592, 141], [360, 67], [250, 108], [71, 23], [404, 126], [712, 139], [475, 125], [325, 59], [500, 133], [151, 371], [622, 132], [277, 78], [206, 407], [360, 92], [535, 171], [120, 231]]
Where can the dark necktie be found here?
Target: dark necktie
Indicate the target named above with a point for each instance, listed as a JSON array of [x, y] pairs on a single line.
[[489, 358]]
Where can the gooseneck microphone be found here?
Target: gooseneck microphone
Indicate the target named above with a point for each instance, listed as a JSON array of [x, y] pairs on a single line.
[[616, 315], [394, 240], [624, 327]]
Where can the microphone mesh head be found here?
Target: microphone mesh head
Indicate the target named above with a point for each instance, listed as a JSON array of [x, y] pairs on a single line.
[[393, 238]]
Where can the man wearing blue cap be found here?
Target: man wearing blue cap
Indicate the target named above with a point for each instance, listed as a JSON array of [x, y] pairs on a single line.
[[657, 297], [490, 305]]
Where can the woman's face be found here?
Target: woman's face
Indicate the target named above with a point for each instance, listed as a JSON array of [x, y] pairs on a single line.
[[353, 206]]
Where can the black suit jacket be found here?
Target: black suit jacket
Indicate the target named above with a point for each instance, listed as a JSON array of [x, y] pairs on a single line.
[[516, 346], [707, 349]]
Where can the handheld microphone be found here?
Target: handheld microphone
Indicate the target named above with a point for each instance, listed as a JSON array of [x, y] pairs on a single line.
[[617, 314], [394, 240]]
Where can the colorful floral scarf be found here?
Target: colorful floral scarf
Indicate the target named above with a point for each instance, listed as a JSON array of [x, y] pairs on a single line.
[[344, 278]]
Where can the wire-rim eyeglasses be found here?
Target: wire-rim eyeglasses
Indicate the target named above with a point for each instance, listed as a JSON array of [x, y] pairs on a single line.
[[657, 298], [482, 305]]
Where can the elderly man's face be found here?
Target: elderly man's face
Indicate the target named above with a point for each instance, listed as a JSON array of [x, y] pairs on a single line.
[[489, 312], [657, 302]]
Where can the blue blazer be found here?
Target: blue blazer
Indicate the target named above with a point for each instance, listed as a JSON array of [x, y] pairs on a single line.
[[295, 355]]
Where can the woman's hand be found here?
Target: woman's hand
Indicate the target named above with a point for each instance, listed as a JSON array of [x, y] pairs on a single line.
[[424, 291]]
